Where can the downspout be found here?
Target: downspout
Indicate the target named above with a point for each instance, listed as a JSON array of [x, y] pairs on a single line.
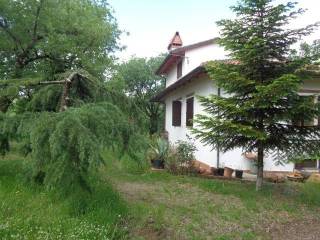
[[218, 146]]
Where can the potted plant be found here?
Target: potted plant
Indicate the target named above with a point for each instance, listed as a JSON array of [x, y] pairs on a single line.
[[239, 174], [159, 151], [220, 171], [217, 171]]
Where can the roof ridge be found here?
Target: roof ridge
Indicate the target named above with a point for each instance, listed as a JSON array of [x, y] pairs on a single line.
[[195, 45]]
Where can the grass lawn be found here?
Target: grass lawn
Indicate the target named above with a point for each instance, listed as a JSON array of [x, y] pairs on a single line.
[[164, 206], [32, 212], [155, 205]]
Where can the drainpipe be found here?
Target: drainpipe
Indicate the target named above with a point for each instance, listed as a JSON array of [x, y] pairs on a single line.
[[218, 147]]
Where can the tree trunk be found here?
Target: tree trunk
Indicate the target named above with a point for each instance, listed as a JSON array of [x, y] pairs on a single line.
[[65, 97], [260, 168], [64, 104]]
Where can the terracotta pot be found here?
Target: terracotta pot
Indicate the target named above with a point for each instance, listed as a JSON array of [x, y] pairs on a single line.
[[228, 172]]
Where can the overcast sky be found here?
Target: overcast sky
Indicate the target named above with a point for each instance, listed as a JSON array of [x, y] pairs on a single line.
[[152, 23]]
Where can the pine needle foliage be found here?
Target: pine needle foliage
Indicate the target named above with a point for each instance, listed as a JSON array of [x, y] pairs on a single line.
[[53, 100], [66, 146], [260, 87]]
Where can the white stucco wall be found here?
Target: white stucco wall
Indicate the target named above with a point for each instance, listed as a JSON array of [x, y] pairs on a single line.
[[206, 154], [193, 58], [233, 159], [205, 87]]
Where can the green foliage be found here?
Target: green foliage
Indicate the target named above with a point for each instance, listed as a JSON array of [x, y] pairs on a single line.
[[54, 36], [308, 53], [185, 150], [260, 86], [31, 212], [67, 145], [180, 158], [159, 149], [126, 104], [137, 78], [54, 102], [45, 99]]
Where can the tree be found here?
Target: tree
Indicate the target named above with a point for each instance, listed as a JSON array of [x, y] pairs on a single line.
[[141, 83], [54, 36], [43, 39], [262, 86], [307, 54], [55, 105]]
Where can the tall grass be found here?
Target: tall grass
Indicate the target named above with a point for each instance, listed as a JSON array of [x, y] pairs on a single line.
[[32, 212]]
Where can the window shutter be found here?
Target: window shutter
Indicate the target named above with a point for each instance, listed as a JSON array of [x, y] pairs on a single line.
[[176, 113], [189, 113], [179, 69]]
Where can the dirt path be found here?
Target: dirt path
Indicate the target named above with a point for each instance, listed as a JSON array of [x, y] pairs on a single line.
[[171, 210]]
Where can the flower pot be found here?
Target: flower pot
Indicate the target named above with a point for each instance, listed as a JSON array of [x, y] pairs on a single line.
[[228, 172], [214, 171], [159, 164], [239, 174], [220, 171]]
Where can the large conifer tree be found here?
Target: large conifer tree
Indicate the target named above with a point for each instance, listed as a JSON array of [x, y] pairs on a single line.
[[261, 85], [54, 102]]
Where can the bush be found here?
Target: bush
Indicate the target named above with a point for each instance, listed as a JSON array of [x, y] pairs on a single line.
[[180, 158]]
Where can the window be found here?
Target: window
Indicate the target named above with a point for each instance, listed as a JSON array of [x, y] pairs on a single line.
[[189, 112], [176, 113], [179, 69]]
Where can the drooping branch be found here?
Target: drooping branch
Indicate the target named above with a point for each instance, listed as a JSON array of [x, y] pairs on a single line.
[[15, 39], [67, 84]]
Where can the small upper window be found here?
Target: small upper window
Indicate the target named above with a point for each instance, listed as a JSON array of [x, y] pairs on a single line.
[[189, 113], [179, 69]]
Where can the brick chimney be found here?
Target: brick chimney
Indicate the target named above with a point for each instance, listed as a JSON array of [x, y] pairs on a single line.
[[175, 42]]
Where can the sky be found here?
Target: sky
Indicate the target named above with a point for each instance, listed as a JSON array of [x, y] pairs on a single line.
[[152, 23]]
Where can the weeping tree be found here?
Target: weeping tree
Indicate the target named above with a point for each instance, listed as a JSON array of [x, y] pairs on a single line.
[[53, 98], [66, 143], [261, 85]]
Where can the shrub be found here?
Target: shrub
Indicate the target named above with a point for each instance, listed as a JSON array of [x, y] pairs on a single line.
[[180, 158]]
